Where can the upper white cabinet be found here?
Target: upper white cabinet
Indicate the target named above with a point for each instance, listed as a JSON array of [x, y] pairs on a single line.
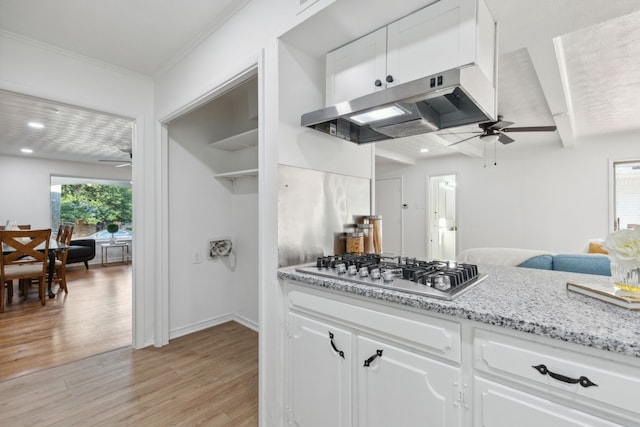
[[444, 35], [357, 68]]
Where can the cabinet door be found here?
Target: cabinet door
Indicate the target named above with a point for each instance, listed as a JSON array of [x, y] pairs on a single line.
[[353, 69], [400, 388], [500, 406], [319, 384], [434, 39]]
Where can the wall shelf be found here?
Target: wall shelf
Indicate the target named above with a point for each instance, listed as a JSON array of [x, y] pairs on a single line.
[[237, 174], [237, 142]]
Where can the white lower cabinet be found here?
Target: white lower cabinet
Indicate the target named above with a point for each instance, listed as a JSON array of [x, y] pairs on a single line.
[[497, 405], [320, 366], [401, 388], [341, 374], [351, 362]]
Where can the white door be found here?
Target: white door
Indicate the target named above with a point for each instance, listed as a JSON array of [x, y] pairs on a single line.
[[399, 388], [352, 70], [442, 217], [389, 206], [319, 384]]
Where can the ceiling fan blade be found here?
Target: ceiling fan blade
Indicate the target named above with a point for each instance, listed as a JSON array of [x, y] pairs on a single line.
[[499, 125], [112, 161], [123, 165], [461, 133], [531, 129], [505, 139], [462, 140]]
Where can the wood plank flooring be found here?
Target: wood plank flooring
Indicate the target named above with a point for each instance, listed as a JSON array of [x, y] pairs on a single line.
[[94, 317], [58, 366], [207, 378]]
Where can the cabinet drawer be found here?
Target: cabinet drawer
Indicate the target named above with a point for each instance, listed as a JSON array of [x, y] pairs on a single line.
[[501, 406], [431, 335], [562, 373]]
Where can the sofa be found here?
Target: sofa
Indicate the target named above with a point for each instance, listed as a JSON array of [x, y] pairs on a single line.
[[81, 250], [586, 263]]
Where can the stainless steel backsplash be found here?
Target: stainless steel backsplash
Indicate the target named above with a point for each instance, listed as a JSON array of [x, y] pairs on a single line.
[[312, 207]]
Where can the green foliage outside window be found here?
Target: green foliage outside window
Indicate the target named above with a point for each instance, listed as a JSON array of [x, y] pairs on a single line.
[[95, 204]]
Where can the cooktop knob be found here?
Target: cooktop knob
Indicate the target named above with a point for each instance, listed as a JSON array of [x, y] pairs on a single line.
[[375, 273], [352, 270], [364, 272], [387, 276], [341, 268]]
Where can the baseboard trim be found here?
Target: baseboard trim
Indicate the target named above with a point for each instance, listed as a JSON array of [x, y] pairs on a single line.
[[209, 323]]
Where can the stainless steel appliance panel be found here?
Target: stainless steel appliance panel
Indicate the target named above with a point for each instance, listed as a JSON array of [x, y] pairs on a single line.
[[312, 207]]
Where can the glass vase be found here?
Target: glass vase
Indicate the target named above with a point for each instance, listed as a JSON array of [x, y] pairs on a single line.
[[626, 278]]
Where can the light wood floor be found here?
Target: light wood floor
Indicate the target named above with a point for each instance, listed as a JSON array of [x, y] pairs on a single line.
[[208, 378], [94, 317]]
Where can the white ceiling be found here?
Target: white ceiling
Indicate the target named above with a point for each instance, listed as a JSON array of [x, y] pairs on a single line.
[[586, 82], [140, 35]]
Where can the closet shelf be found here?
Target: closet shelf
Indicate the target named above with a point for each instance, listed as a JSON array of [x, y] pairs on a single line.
[[237, 142], [237, 174]]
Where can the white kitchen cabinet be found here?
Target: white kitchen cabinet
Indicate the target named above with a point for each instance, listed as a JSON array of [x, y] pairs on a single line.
[[342, 356], [567, 379], [497, 405], [353, 70], [320, 380], [444, 35], [403, 388]]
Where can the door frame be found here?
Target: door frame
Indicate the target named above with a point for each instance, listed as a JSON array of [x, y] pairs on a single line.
[[374, 198], [429, 216]]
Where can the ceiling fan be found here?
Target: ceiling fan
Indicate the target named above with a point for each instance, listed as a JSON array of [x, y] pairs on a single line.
[[122, 163], [499, 128]]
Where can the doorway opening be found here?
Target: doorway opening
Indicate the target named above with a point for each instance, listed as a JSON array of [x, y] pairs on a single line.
[[441, 221], [626, 194]]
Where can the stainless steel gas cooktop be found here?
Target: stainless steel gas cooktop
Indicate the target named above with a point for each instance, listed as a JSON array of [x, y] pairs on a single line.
[[437, 279]]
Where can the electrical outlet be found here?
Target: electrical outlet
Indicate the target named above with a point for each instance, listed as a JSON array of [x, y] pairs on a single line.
[[197, 258]]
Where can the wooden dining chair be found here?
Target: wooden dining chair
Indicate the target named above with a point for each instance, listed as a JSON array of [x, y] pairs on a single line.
[[24, 256], [60, 275]]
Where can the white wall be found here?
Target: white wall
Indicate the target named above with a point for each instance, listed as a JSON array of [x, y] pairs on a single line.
[[43, 71], [200, 208], [537, 197], [27, 185]]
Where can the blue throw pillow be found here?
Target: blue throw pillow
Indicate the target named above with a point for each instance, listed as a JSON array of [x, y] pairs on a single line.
[[587, 264], [542, 262]]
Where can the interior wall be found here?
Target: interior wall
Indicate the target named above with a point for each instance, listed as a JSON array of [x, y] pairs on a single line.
[[27, 186], [244, 206], [302, 82], [537, 197], [201, 289]]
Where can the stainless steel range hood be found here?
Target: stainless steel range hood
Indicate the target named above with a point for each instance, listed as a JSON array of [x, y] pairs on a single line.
[[445, 100]]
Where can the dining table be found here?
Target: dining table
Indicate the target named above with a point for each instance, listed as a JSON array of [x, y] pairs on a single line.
[[55, 247]]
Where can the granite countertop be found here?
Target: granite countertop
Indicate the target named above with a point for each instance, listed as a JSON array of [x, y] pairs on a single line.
[[524, 299]]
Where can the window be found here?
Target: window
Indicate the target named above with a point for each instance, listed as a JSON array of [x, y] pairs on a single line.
[[626, 194], [91, 204]]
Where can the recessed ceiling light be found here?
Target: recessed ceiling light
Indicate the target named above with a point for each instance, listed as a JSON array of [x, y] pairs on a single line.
[[27, 150], [424, 150], [36, 125]]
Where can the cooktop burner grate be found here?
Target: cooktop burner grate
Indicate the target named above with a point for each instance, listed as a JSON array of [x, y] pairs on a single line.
[[438, 279]]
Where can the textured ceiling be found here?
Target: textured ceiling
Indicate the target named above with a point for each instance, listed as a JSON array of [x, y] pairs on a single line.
[[603, 68], [69, 133], [593, 86]]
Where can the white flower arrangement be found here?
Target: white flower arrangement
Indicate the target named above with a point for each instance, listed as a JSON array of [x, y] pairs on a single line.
[[624, 247]]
